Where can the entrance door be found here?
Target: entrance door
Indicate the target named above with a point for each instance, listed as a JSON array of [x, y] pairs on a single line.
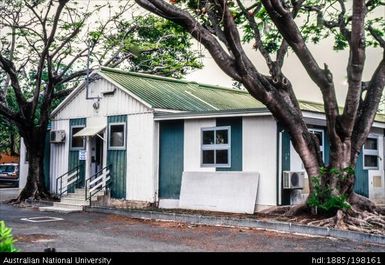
[[96, 154], [376, 186]]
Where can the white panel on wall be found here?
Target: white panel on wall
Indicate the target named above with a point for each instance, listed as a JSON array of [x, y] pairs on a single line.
[[260, 155], [140, 158], [59, 153], [231, 191], [156, 160], [192, 144], [295, 161]]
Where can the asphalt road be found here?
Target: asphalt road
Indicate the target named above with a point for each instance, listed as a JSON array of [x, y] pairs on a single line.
[[7, 184], [96, 232]]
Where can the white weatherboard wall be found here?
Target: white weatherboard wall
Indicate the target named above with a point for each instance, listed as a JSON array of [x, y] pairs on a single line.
[[59, 153], [192, 144], [260, 155], [231, 191], [140, 157], [115, 104]]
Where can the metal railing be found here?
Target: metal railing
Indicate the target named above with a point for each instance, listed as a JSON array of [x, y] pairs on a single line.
[[97, 182], [67, 180]]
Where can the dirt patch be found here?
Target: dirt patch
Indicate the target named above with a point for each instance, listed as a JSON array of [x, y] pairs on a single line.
[[122, 219], [32, 238], [278, 215]]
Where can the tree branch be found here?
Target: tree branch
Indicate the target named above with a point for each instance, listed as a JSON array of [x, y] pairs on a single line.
[[355, 67], [63, 93], [257, 36], [183, 18], [69, 64], [286, 25], [376, 36], [3, 93], [72, 76], [9, 68], [12, 117], [44, 54], [367, 109]]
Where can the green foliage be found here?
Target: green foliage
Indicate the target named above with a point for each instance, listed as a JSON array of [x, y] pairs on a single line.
[[340, 42], [9, 136], [6, 239], [157, 46], [322, 198]]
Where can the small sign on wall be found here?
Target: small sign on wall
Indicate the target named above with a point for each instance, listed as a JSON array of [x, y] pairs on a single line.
[[82, 154]]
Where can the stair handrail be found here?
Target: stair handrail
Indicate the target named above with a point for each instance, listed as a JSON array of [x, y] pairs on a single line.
[[69, 174], [99, 180]]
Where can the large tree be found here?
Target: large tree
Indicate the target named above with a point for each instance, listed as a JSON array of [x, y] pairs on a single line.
[[276, 26], [48, 46]]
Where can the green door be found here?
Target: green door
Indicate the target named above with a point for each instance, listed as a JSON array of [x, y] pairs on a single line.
[[117, 158], [73, 159], [170, 158]]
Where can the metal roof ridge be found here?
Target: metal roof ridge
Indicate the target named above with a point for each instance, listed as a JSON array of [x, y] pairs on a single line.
[[157, 77], [163, 78]]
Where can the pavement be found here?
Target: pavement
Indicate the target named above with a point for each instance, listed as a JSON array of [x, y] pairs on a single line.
[[101, 232], [7, 193]]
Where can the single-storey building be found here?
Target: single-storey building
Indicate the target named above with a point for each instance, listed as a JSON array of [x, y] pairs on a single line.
[[180, 144]]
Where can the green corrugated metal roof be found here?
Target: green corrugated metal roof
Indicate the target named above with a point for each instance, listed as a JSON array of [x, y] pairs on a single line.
[[173, 94], [318, 107], [168, 93]]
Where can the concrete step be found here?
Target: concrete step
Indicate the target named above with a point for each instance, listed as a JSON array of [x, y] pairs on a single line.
[[74, 201], [69, 205], [60, 209], [75, 196], [81, 196], [81, 193]]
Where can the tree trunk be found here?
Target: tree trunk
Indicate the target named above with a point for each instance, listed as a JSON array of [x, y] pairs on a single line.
[[12, 144], [34, 140], [340, 176]]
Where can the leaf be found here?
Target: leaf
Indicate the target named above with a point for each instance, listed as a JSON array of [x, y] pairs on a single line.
[[6, 239]]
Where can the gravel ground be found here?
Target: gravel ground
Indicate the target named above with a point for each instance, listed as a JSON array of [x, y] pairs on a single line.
[[96, 232]]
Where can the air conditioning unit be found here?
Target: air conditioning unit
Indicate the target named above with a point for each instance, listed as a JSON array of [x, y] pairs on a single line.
[[293, 179], [58, 136]]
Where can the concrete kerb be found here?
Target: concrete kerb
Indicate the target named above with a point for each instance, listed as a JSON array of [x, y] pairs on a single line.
[[242, 223]]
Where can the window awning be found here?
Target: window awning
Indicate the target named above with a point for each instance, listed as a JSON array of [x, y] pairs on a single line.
[[90, 130]]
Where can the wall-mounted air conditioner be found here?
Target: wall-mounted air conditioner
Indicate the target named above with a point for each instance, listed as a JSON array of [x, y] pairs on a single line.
[[57, 136], [293, 179]]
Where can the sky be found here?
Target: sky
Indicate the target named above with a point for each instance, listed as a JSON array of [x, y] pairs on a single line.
[[293, 69]]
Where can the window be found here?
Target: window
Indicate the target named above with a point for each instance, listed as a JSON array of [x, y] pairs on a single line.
[[320, 135], [77, 143], [117, 136], [370, 153], [216, 147]]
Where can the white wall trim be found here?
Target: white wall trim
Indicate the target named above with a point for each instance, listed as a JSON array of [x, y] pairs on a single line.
[[226, 114]]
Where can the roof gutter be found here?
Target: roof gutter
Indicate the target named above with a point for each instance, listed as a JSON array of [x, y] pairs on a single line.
[[210, 114]]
